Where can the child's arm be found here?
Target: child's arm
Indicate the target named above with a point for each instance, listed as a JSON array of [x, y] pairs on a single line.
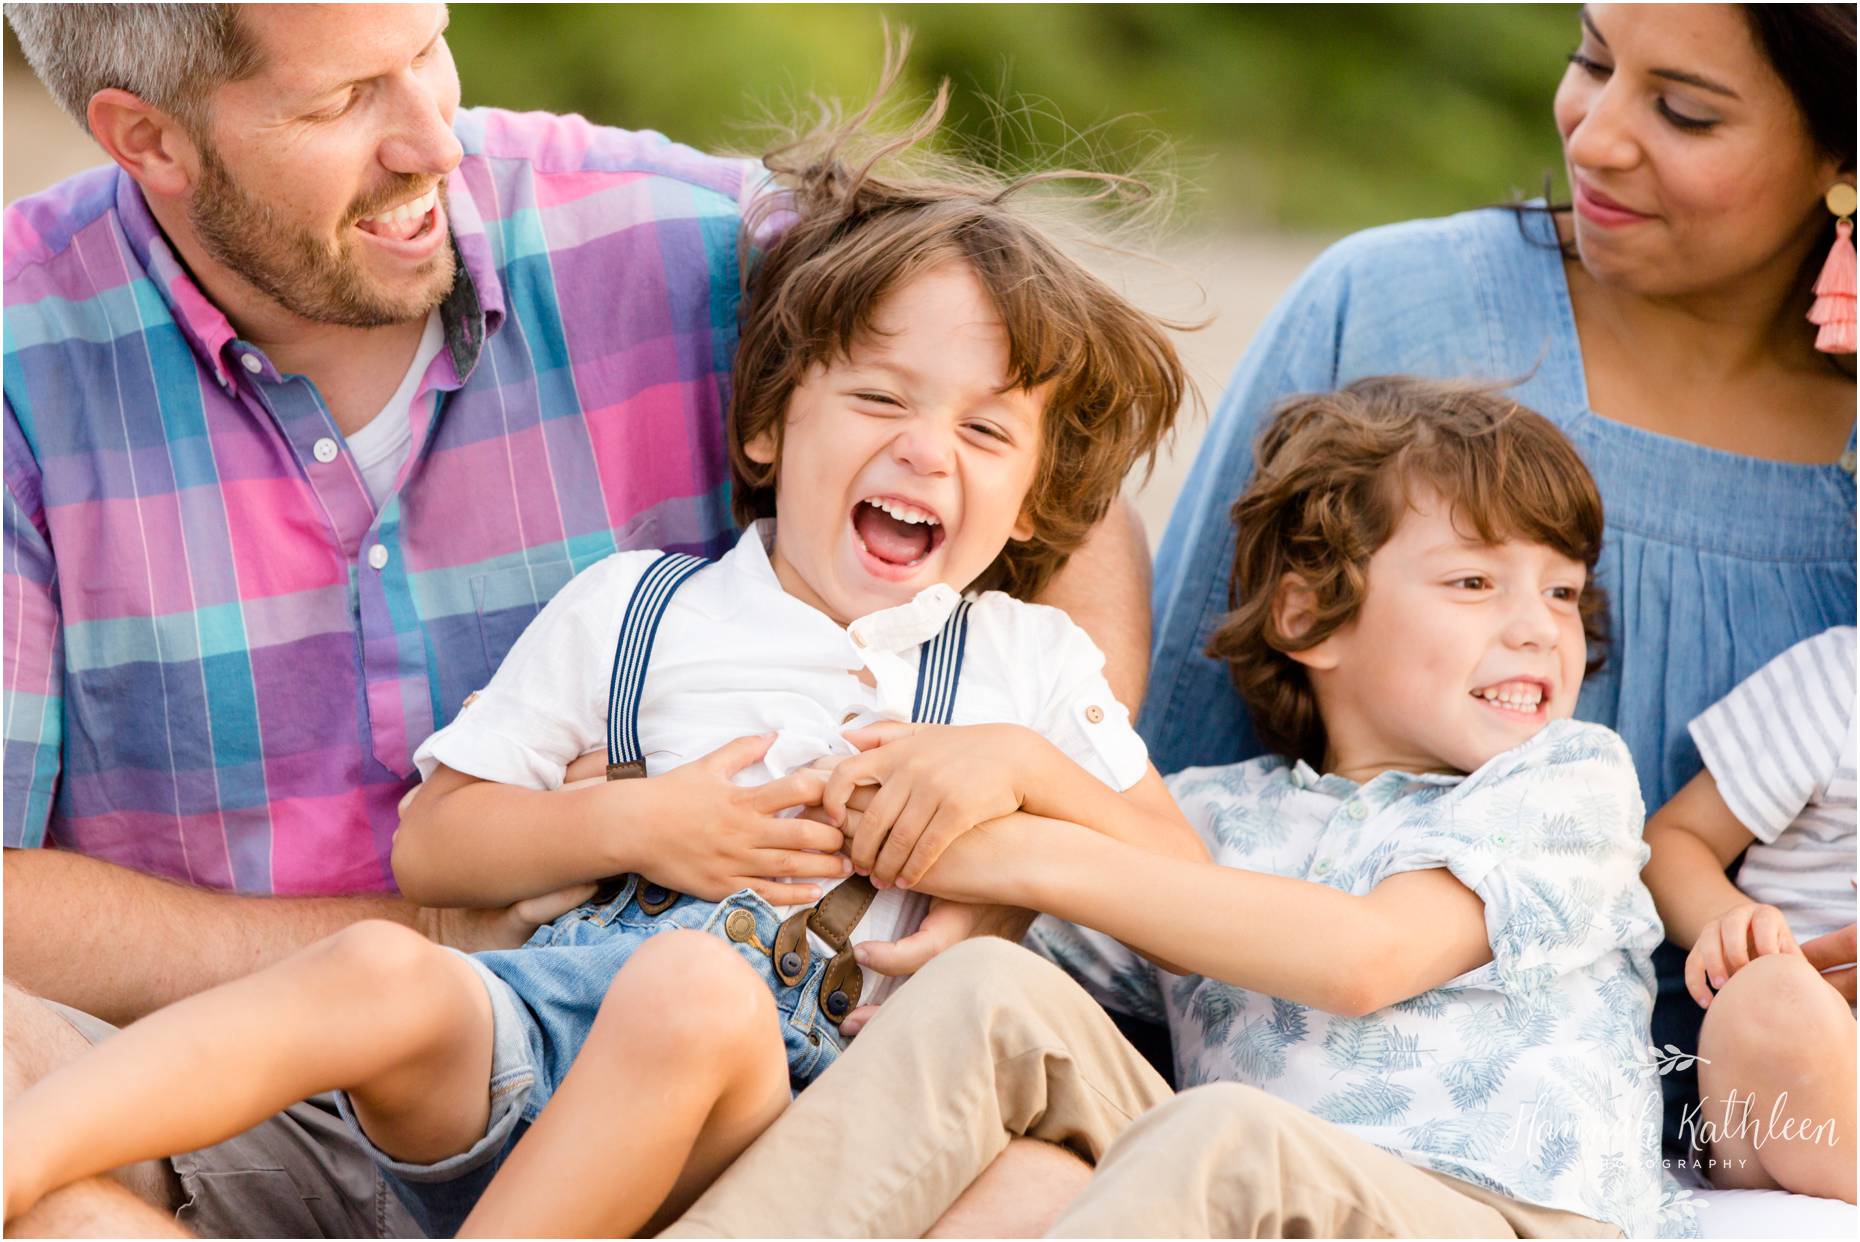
[[1694, 837], [469, 842], [936, 782], [1289, 938]]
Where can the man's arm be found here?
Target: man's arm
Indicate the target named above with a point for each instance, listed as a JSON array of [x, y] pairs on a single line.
[[1105, 588], [117, 943]]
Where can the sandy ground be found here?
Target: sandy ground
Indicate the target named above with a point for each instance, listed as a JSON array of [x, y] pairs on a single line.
[[1230, 279]]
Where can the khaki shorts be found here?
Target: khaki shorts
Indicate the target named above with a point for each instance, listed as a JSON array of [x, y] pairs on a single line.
[[300, 1174]]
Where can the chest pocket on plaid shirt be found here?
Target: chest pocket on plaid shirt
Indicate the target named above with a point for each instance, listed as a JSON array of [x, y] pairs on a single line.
[[508, 600]]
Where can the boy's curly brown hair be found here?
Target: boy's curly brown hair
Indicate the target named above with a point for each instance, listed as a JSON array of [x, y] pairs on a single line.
[[1336, 472], [845, 236]]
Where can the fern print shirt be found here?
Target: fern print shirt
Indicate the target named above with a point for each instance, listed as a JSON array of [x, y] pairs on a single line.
[[1531, 1075]]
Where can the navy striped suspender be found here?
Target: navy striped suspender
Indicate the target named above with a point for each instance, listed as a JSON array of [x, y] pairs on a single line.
[[939, 668], [633, 657]]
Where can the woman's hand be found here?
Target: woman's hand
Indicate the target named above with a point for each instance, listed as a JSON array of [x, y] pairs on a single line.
[[1729, 942], [947, 923]]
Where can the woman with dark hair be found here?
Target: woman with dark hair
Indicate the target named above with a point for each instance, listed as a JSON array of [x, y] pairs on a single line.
[[1661, 320]]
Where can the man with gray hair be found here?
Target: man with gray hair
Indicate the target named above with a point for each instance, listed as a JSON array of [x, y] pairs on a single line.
[[314, 397]]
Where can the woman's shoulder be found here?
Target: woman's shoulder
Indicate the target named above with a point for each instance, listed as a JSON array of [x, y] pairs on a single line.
[[1473, 294], [1443, 250]]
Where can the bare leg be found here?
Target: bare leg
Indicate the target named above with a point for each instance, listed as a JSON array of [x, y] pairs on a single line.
[[375, 1009], [138, 1201], [1782, 1040], [1020, 1195], [683, 1069]]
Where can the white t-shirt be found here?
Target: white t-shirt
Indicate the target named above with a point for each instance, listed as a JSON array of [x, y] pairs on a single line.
[[380, 445], [735, 655], [1781, 747]]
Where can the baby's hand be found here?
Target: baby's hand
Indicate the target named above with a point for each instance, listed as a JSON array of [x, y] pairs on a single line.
[[1728, 944], [935, 782]]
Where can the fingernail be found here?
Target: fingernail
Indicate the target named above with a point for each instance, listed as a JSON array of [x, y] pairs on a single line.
[[859, 954], [880, 884], [905, 884], [1717, 981]]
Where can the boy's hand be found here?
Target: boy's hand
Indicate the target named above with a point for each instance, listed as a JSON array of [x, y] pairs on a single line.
[[1729, 942], [935, 783], [708, 837], [1834, 949]]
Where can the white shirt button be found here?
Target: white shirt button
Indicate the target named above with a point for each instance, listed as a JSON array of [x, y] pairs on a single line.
[[378, 556], [325, 450], [1358, 811], [252, 363], [1847, 461], [1094, 714]]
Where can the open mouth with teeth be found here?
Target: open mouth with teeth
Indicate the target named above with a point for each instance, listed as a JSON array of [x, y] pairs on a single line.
[[894, 536], [408, 222], [1518, 698]]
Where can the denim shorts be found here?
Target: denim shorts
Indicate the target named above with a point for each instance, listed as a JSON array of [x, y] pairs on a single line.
[[544, 997]]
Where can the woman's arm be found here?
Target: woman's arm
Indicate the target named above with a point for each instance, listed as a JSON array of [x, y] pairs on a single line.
[[1289, 938]]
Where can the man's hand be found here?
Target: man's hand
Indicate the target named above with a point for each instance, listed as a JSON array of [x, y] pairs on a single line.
[[708, 837], [504, 927], [946, 923], [1834, 949], [935, 783], [1730, 941]]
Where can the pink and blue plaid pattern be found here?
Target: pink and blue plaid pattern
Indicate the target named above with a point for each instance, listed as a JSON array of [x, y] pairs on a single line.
[[219, 658]]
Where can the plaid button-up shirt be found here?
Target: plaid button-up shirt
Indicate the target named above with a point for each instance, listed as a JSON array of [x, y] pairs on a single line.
[[219, 656]]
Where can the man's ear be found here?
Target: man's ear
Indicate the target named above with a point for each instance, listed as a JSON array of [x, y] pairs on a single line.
[[1294, 610], [150, 145]]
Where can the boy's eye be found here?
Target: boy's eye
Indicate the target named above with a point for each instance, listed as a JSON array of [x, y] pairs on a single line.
[[876, 398], [1472, 582], [990, 430], [1566, 594]]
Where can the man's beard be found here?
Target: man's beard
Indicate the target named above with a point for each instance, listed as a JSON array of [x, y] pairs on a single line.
[[314, 279]]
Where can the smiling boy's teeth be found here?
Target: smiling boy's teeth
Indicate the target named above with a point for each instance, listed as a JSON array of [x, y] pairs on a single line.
[[903, 512]]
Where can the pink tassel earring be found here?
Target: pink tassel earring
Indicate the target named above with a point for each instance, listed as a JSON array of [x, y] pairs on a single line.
[[1833, 310]]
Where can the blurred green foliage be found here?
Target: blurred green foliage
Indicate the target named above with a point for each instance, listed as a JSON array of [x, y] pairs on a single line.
[[1315, 117]]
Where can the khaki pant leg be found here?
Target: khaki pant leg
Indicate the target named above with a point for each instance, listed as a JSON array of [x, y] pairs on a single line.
[[985, 1042], [1229, 1161]]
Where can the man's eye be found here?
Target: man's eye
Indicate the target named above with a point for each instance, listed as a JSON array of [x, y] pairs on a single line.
[[336, 109]]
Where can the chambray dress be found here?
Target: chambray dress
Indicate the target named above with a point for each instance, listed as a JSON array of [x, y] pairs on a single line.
[[1713, 562]]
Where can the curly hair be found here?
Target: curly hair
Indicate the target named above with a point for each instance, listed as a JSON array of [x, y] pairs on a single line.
[[844, 234], [1336, 472]]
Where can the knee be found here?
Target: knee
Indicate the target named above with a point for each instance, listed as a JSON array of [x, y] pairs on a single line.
[[689, 996], [380, 958], [38, 1041], [1223, 1118], [1777, 1012], [980, 971]]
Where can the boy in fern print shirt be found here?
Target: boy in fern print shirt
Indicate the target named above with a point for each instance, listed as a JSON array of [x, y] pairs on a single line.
[[1505, 1045]]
